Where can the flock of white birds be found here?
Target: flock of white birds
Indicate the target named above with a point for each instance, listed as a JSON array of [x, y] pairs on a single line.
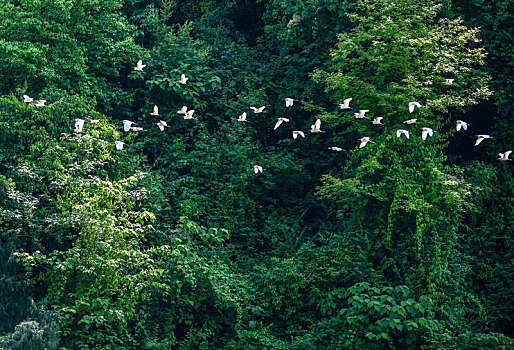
[[315, 128]]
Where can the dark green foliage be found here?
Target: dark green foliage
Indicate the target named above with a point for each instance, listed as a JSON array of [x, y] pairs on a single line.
[[490, 221], [174, 242]]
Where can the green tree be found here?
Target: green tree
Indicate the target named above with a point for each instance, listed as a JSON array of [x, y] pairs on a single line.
[[82, 47], [86, 252], [398, 194]]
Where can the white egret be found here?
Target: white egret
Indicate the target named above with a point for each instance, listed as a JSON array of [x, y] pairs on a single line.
[[364, 141], [94, 121], [27, 99], [346, 104], [183, 79], [79, 125], [257, 110], [183, 110], [337, 149], [316, 127], [377, 120], [411, 121], [426, 132], [119, 144], [41, 103], [155, 111], [257, 169], [162, 124], [289, 101], [242, 117], [401, 132], [280, 121], [189, 114], [449, 82], [361, 114], [127, 124], [412, 105], [136, 128], [139, 66], [481, 138], [461, 124], [505, 156], [297, 133]]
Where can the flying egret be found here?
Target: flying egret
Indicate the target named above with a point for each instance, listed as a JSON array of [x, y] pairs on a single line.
[[41, 103], [242, 117], [449, 82], [79, 125], [119, 144], [289, 101], [481, 138], [155, 111], [94, 121], [183, 110], [127, 124], [257, 169], [377, 120], [316, 127], [189, 114], [412, 105], [183, 79], [461, 124], [296, 133], [257, 110], [361, 114], [27, 99], [411, 121], [279, 121], [364, 141], [346, 104], [401, 132], [162, 124], [136, 128], [139, 66], [337, 149], [505, 156], [426, 132]]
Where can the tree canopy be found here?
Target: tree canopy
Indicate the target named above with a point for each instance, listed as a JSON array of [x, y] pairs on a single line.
[[172, 239]]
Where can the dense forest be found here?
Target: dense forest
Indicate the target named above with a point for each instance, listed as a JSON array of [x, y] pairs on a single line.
[[384, 223]]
